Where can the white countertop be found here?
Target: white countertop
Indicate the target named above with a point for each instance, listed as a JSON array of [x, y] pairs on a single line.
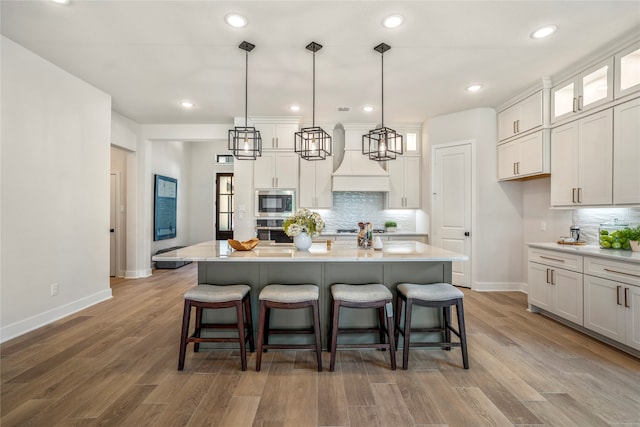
[[392, 233], [395, 251], [591, 250]]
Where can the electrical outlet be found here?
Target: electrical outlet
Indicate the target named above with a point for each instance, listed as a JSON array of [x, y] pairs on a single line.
[[54, 289], [543, 226]]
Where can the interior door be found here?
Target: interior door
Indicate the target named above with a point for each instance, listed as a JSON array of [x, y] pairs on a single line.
[[452, 206], [113, 211], [224, 206]]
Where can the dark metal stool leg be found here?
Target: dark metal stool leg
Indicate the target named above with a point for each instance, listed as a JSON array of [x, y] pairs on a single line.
[[316, 331], [261, 333], [241, 336], [335, 308], [249, 322], [407, 332], [184, 333], [463, 333], [391, 334]]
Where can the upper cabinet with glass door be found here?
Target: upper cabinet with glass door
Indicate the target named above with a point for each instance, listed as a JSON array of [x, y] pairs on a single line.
[[628, 71], [582, 92]]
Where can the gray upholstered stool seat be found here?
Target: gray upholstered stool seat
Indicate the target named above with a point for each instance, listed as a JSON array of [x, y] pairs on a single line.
[[436, 295], [363, 296], [214, 297], [286, 293], [360, 293], [288, 297], [215, 293], [433, 292]]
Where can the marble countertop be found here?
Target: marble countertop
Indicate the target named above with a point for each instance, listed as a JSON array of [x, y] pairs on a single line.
[[591, 250], [333, 233], [395, 251]]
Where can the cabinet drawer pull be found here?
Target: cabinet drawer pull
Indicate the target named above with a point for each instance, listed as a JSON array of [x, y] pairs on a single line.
[[553, 277], [552, 259], [626, 297], [575, 105], [621, 272], [580, 103], [514, 127], [579, 194], [618, 288], [573, 195], [548, 275]]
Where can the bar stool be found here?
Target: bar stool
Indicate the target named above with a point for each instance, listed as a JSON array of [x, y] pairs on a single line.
[[362, 296], [288, 297], [431, 295], [213, 297]]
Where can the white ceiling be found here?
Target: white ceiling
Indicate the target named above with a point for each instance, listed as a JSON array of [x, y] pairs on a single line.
[[149, 55]]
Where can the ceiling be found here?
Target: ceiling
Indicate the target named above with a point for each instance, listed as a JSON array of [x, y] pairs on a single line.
[[149, 55]]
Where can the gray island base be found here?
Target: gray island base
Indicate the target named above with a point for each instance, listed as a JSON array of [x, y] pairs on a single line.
[[397, 262]]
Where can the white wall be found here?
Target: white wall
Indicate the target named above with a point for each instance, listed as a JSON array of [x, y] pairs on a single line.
[[203, 191], [497, 234], [55, 192], [173, 159]]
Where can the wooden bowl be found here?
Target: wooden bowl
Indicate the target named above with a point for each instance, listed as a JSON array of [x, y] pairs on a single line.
[[247, 245]]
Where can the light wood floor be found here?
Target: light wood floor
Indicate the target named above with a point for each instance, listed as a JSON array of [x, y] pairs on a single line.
[[115, 364]]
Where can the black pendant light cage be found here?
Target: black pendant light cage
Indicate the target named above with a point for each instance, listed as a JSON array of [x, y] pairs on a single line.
[[313, 143], [245, 142], [382, 143]]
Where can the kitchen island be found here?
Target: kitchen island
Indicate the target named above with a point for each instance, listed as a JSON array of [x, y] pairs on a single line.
[[343, 262]]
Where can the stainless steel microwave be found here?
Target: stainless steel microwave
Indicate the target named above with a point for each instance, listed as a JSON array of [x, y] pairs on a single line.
[[275, 203]]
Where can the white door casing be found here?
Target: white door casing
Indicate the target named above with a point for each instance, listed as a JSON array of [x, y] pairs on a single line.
[[113, 214], [452, 205]]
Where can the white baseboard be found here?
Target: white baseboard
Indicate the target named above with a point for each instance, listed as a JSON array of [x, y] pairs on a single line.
[[500, 287], [137, 274], [34, 322]]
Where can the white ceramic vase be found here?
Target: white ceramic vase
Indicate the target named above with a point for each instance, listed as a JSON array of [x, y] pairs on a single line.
[[302, 241], [635, 245]]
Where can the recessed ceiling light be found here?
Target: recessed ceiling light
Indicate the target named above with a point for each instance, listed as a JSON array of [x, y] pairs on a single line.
[[474, 87], [543, 32], [235, 20], [62, 1], [294, 108], [393, 21], [187, 104], [367, 108]]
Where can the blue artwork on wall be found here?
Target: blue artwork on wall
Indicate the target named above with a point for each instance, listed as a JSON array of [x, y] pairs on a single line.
[[166, 196]]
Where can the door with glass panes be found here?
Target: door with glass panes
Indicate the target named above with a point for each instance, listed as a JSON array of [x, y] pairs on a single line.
[[224, 206]]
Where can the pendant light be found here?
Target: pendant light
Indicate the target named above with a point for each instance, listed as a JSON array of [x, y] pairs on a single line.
[[245, 142], [313, 143], [382, 143]]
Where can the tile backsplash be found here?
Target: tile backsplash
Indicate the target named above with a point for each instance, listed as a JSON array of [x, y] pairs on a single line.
[[351, 207], [589, 220]]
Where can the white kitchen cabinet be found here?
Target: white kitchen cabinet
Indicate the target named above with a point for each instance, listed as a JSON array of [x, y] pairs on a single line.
[[582, 154], [626, 153], [555, 283], [627, 68], [276, 136], [276, 170], [404, 178], [524, 157], [612, 300], [582, 92], [521, 117], [315, 183]]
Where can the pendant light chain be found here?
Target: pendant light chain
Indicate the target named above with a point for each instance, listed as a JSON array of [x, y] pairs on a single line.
[[382, 143], [313, 143], [245, 143], [246, 85]]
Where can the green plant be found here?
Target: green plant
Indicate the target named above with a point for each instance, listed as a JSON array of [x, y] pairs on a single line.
[[388, 224], [632, 233]]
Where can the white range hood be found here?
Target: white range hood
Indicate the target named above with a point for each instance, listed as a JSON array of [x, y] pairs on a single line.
[[357, 172]]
